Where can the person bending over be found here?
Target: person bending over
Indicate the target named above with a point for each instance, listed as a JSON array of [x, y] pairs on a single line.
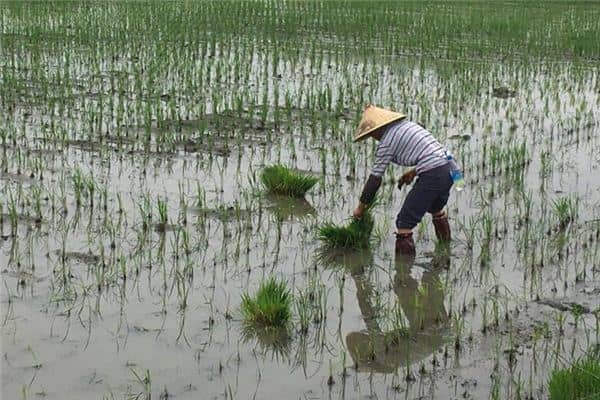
[[407, 143]]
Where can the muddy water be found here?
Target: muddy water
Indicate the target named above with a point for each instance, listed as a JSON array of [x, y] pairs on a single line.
[[374, 320], [93, 343]]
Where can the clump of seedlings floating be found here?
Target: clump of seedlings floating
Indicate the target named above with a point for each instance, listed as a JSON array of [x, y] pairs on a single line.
[[270, 306], [354, 235], [280, 179]]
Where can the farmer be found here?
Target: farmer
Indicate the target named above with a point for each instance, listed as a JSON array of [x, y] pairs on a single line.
[[409, 144]]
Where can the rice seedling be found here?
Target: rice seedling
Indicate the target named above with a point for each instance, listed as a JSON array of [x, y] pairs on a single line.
[[270, 306], [580, 380], [354, 235], [79, 184], [565, 209], [145, 381], [303, 310], [280, 179], [163, 216]]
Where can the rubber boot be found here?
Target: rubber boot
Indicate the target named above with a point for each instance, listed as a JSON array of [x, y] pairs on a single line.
[[405, 244], [442, 228]]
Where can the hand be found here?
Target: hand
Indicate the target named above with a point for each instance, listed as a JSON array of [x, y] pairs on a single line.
[[407, 178], [359, 211]]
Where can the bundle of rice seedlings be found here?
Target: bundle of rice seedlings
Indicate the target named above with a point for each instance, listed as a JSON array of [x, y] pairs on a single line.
[[355, 235], [579, 381], [270, 306], [280, 179]]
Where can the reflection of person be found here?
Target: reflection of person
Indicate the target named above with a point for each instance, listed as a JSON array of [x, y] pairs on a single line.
[[407, 143], [422, 303], [423, 306]]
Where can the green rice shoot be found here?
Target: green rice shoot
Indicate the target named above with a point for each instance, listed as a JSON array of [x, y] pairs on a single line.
[[282, 180]]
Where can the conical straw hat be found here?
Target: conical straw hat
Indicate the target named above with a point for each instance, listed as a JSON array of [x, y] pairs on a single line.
[[374, 118]]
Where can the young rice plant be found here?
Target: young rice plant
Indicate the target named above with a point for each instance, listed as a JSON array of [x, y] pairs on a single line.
[[355, 235], [270, 306], [280, 179], [579, 381]]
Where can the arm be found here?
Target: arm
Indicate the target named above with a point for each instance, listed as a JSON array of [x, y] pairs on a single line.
[[383, 158], [368, 194]]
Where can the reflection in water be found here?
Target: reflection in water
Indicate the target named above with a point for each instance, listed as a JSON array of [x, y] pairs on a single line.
[[270, 340], [287, 208], [410, 338], [354, 262]]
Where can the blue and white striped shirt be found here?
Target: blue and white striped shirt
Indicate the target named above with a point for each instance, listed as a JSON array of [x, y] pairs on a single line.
[[407, 143]]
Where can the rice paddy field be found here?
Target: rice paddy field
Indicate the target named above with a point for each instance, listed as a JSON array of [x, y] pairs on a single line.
[[133, 220]]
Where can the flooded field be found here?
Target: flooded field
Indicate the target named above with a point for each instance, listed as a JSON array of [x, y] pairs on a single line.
[[133, 220]]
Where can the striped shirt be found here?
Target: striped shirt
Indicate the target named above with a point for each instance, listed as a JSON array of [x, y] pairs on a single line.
[[407, 143]]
